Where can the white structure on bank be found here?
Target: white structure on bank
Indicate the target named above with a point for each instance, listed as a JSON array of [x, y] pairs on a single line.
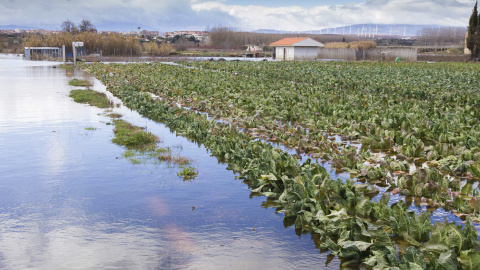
[[289, 49]]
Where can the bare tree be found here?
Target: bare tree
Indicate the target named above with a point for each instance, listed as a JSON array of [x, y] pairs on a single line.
[[230, 38], [86, 26], [441, 36], [68, 26]]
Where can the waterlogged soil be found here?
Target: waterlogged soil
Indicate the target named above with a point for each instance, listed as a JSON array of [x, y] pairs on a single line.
[[70, 200]]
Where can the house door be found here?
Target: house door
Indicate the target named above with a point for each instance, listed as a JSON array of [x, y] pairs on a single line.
[[284, 54]]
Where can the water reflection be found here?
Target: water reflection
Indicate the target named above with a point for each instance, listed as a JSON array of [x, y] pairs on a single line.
[[67, 201], [26, 244]]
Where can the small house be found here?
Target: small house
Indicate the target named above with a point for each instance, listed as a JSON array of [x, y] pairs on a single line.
[[289, 49]]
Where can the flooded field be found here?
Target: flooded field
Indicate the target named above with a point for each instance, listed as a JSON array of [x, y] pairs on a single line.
[[69, 200], [404, 190]]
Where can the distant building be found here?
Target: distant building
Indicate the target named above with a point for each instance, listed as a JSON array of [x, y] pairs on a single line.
[[253, 48], [289, 49], [199, 35], [150, 33]]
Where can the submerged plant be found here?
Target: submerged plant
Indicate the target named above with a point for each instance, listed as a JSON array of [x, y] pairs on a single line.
[[188, 172], [131, 136]]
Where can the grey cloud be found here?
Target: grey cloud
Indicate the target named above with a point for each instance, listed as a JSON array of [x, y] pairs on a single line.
[[169, 15]]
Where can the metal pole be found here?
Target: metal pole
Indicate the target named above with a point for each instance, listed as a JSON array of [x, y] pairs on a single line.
[[64, 54], [74, 55]]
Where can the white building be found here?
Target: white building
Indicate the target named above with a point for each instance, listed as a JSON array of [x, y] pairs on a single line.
[[289, 49], [253, 48]]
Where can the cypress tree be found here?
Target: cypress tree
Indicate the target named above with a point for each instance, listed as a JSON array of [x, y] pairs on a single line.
[[472, 29]]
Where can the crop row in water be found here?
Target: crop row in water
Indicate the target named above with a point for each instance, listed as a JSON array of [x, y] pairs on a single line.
[[340, 214], [414, 112], [298, 107]]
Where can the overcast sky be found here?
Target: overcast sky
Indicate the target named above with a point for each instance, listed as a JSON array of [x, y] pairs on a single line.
[[169, 15]]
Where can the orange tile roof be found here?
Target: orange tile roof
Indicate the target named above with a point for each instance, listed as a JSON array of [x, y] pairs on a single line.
[[287, 41]]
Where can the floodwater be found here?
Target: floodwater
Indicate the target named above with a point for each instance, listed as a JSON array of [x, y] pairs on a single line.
[[68, 200]]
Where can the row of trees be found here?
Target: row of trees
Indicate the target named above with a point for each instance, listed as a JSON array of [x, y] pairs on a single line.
[[85, 26], [473, 38], [153, 49], [108, 44], [230, 38], [441, 37]]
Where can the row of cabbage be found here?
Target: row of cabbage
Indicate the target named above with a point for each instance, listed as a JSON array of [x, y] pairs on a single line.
[[442, 129], [419, 112], [340, 213]]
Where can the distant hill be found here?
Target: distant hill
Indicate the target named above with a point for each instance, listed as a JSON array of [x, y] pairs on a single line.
[[106, 26], [13, 27], [369, 30]]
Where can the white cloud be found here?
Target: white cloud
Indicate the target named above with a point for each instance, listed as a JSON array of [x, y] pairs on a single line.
[[196, 14], [444, 12]]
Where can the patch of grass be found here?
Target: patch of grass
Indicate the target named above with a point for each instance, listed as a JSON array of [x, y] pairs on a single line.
[[168, 157], [181, 160], [129, 153], [67, 66], [114, 115], [188, 172], [90, 128], [134, 161], [154, 153], [90, 97], [133, 137], [162, 150], [76, 82]]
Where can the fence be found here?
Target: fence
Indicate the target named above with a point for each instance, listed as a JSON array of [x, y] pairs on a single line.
[[43, 53], [344, 54], [378, 54]]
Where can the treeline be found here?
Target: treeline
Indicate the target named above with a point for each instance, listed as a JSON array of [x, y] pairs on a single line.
[[444, 36], [230, 38], [108, 44], [11, 43], [473, 38], [154, 49], [362, 45]]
